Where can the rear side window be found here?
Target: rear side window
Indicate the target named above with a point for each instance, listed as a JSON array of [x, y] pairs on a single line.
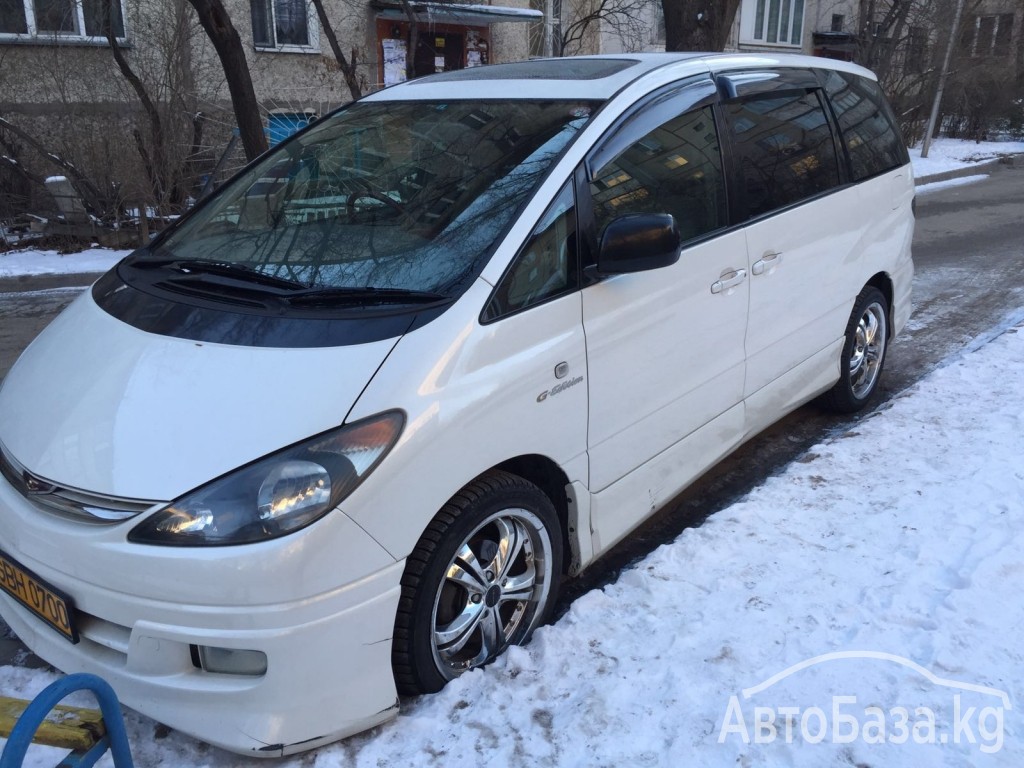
[[866, 123], [785, 150], [676, 169]]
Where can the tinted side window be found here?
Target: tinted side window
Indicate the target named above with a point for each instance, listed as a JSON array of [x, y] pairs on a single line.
[[866, 123], [784, 146], [676, 168], [546, 267]]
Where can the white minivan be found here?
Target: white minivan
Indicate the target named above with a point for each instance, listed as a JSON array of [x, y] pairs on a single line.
[[338, 434]]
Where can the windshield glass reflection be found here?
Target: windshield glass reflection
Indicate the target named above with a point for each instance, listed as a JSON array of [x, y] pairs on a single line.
[[408, 196]]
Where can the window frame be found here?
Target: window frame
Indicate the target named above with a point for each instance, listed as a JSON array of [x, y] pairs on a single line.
[[492, 314], [312, 26], [33, 36], [750, 31]]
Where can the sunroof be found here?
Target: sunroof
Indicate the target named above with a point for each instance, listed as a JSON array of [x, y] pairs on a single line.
[[540, 69]]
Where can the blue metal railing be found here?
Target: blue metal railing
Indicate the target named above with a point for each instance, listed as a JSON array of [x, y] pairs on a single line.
[[116, 738]]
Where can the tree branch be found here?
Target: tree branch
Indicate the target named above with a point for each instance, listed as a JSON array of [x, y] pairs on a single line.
[[348, 68]]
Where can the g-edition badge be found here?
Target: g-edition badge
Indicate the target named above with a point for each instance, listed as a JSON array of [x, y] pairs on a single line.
[[558, 389]]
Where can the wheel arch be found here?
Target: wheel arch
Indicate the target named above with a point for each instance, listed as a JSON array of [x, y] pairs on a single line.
[[547, 475], [883, 282]]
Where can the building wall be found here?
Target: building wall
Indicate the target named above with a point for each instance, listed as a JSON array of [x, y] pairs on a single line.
[[510, 42], [71, 97], [816, 16]]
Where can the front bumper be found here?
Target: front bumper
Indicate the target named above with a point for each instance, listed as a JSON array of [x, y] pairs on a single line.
[[328, 652]]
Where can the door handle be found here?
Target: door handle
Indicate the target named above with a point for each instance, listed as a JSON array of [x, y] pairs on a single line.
[[766, 263], [729, 280]]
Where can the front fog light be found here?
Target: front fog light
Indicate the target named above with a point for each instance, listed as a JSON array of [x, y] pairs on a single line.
[[229, 661], [276, 495]]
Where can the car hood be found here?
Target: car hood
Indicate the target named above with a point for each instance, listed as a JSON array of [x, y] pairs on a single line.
[[98, 405]]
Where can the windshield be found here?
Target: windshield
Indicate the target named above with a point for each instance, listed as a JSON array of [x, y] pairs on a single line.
[[398, 196]]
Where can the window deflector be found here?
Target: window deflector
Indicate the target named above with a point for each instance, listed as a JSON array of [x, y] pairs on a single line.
[[656, 110], [738, 85]]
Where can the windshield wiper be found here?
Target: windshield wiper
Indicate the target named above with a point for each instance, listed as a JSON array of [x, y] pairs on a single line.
[[367, 295], [293, 292], [238, 271]]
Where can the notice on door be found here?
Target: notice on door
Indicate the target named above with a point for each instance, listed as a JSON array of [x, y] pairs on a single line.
[[394, 61]]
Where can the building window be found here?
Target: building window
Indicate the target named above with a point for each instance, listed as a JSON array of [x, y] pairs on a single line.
[[60, 20], [772, 22], [917, 49], [988, 35], [838, 20], [288, 25]]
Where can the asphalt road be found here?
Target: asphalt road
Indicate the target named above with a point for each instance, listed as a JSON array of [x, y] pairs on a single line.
[[969, 254]]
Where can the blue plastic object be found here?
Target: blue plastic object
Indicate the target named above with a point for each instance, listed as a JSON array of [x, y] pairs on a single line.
[[116, 739], [281, 125]]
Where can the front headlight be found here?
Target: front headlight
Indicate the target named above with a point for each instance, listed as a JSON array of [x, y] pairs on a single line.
[[278, 494]]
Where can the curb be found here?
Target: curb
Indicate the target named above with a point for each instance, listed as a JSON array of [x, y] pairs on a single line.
[[48, 282], [969, 170]]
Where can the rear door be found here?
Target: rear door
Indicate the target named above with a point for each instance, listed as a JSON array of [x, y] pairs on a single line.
[[801, 223]]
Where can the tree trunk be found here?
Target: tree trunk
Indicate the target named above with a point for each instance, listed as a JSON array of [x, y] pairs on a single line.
[[156, 161], [348, 67], [414, 39], [216, 22], [698, 25]]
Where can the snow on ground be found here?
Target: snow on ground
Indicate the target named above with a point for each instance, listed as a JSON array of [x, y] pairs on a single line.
[[35, 262], [898, 545], [951, 154]]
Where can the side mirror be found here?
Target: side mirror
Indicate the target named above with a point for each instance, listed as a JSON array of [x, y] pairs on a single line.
[[638, 242]]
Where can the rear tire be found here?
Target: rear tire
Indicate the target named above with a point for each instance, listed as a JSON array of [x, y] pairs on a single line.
[[867, 337], [482, 577]]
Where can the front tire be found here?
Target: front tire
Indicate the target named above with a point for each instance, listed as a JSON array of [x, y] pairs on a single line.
[[867, 337], [482, 577]]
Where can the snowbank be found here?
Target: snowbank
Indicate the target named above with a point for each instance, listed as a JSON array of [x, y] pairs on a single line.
[[34, 262], [951, 154]]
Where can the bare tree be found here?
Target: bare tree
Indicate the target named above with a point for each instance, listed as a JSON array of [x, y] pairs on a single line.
[[628, 20], [347, 65], [698, 25], [94, 200], [216, 21], [906, 43], [166, 188]]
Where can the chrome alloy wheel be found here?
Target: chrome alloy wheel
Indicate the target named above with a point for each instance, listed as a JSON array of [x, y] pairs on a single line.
[[492, 591], [868, 350]]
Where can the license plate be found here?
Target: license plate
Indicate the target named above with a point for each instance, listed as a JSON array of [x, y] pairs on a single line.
[[48, 603]]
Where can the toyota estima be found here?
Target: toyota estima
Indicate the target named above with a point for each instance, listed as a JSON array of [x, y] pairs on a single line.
[[339, 433]]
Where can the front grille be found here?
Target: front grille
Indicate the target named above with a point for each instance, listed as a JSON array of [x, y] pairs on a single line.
[[69, 502]]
